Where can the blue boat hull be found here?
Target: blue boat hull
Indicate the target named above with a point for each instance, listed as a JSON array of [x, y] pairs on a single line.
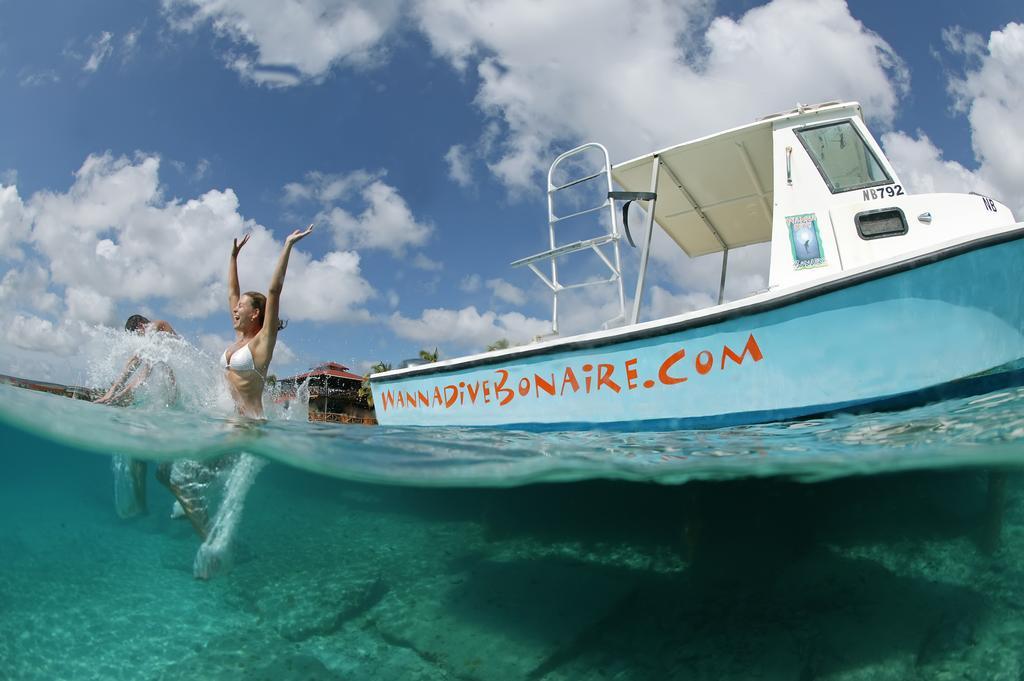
[[947, 324]]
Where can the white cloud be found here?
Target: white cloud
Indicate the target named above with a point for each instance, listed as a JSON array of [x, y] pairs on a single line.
[[548, 74], [88, 306], [548, 77], [284, 356], [385, 223], [506, 292], [467, 328], [923, 169], [67, 351], [747, 270], [584, 309], [422, 262], [328, 188], [29, 78], [470, 283], [40, 335], [329, 289], [663, 303], [27, 363], [112, 237], [458, 165], [28, 287], [14, 222], [214, 344], [307, 36], [101, 48], [270, 76], [130, 45], [202, 170], [991, 92]]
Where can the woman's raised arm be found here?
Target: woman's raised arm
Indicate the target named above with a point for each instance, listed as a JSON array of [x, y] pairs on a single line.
[[233, 291], [271, 320]]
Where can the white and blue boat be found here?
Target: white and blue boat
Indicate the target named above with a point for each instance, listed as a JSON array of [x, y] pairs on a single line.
[[877, 298]]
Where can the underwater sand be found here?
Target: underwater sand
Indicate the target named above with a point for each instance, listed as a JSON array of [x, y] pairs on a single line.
[[892, 575]]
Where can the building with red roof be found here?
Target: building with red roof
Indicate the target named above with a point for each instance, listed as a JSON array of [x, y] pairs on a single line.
[[333, 393]]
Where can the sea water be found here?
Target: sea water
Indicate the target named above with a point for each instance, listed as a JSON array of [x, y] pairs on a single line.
[[871, 546]]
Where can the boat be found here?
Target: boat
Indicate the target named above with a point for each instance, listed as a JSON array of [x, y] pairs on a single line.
[[877, 297], [75, 392]]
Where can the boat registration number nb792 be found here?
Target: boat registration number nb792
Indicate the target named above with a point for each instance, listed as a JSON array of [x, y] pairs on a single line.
[[587, 378], [883, 192]]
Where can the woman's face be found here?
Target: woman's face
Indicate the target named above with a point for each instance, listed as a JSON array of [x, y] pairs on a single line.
[[244, 314]]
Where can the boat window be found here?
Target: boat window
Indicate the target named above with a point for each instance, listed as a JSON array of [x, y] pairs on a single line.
[[875, 224], [843, 157]]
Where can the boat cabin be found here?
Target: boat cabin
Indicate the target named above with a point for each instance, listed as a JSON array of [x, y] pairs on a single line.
[[812, 182]]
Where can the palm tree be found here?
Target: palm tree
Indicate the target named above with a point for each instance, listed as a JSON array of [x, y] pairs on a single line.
[[364, 390], [428, 356], [500, 344]]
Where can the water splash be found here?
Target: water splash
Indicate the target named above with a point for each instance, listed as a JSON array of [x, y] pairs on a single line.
[[214, 554], [183, 377]]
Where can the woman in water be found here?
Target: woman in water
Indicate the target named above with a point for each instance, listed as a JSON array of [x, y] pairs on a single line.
[[245, 364], [256, 325]]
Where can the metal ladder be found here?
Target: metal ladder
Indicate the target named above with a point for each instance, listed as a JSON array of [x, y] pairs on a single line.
[[595, 244]]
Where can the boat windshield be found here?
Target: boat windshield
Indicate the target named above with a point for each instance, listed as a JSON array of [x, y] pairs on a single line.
[[843, 158]]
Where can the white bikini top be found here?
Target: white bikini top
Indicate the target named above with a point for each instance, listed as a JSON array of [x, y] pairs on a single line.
[[241, 360]]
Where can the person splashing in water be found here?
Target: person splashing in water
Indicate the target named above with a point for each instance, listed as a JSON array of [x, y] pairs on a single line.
[[138, 369], [129, 473], [187, 480], [245, 363], [256, 324]]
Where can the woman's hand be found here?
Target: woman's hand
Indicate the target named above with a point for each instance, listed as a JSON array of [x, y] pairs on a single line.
[[236, 247], [298, 235]]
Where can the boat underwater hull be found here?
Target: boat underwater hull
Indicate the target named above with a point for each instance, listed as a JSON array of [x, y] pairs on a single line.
[[945, 324]]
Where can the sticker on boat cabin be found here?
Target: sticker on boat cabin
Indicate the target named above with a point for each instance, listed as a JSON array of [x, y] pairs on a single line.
[[805, 239]]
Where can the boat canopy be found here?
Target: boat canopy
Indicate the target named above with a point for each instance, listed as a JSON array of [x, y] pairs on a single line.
[[714, 193], [710, 195]]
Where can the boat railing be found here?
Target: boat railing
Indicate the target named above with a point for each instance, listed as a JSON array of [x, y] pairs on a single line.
[[606, 240]]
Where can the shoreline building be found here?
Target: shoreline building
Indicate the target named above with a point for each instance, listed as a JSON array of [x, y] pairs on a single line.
[[333, 394]]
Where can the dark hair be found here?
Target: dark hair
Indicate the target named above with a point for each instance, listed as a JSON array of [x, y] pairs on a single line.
[[135, 322], [259, 301]]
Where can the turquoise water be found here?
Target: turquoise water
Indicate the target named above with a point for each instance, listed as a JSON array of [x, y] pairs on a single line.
[[884, 546]]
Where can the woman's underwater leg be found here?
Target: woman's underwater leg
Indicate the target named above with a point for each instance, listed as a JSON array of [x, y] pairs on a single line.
[[214, 552]]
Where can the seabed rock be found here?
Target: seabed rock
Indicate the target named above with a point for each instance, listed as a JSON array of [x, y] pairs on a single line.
[[516, 620], [314, 603], [235, 656]]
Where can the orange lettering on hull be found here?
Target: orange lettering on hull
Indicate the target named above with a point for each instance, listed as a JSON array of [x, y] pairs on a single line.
[[596, 377]]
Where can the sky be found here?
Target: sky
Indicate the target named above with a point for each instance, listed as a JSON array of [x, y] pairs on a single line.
[[141, 136]]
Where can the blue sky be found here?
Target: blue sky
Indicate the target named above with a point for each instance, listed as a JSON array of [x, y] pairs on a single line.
[[141, 135]]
